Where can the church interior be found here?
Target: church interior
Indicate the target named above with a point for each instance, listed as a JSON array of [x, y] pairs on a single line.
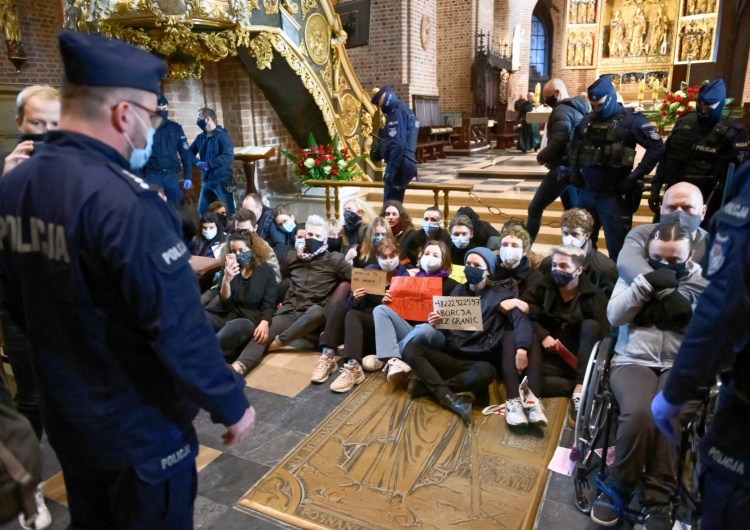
[[278, 71]]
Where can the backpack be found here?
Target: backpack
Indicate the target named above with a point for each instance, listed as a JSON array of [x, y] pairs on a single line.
[[20, 465]]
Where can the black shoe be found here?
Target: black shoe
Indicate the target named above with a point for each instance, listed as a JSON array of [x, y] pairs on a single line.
[[416, 388], [461, 405], [604, 511], [658, 517]]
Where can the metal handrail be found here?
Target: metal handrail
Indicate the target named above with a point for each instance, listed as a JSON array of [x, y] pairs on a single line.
[[435, 188]]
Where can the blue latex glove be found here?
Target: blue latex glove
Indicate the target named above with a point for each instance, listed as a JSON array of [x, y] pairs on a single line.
[[187, 184], [202, 165], [665, 416]]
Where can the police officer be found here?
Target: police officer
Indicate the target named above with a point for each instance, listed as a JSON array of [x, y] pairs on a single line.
[[717, 338], [602, 155], [216, 153], [163, 167], [93, 266], [397, 145], [703, 148]]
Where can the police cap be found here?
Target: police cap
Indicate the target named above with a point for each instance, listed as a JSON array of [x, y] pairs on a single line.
[[713, 92], [93, 60], [161, 101], [388, 89]]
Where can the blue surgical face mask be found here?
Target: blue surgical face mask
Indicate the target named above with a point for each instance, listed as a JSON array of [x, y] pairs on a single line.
[[299, 242], [430, 227], [139, 157], [289, 225], [460, 241], [377, 239]]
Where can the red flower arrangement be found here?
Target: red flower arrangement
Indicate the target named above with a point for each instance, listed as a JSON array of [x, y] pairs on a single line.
[[325, 162], [679, 103]]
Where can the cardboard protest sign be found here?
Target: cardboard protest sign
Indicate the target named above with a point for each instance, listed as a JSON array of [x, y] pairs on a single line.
[[411, 298], [372, 280], [459, 312]]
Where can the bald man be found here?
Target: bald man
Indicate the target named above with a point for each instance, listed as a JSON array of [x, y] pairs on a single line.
[[566, 114], [683, 204]]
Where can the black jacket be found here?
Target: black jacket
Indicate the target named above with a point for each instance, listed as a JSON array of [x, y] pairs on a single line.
[[482, 229], [601, 270], [216, 149], [414, 243], [516, 280], [565, 117], [253, 298]]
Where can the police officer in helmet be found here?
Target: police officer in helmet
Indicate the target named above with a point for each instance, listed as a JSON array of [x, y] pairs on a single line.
[[718, 338], [704, 148], [93, 267], [163, 167], [397, 145], [602, 156]]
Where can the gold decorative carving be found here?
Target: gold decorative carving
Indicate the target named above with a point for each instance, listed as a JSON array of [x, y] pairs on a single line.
[[318, 38], [290, 7], [12, 33], [343, 84], [303, 48], [261, 48], [272, 6], [307, 5], [353, 143], [349, 114], [328, 77], [366, 128]]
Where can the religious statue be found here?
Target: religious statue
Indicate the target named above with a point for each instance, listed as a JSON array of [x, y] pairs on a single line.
[[581, 16], [579, 51], [9, 22], [572, 11], [616, 35], [702, 7], [691, 6], [638, 32], [72, 15], [571, 55], [591, 12], [587, 50], [706, 45], [659, 34]]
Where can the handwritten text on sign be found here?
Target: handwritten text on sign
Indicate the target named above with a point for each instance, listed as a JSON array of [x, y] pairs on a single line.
[[459, 312], [372, 280], [412, 296]]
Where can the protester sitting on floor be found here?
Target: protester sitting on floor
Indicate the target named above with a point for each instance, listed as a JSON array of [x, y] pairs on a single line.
[[485, 235], [336, 239], [351, 322], [263, 214], [414, 243], [576, 225], [651, 313], [209, 242], [220, 209], [461, 230], [470, 358], [682, 204], [315, 274], [283, 231], [566, 306], [364, 254], [245, 224], [398, 219], [513, 269], [394, 333], [243, 309], [357, 215]]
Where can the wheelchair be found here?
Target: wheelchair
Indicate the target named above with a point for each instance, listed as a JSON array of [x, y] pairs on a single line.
[[595, 427]]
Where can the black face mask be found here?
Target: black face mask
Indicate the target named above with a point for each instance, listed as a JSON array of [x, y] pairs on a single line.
[[312, 245], [30, 137], [551, 101], [561, 278], [223, 218], [351, 219], [164, 114], [334, 244], [201, 123], [244, 257], [680, 269]]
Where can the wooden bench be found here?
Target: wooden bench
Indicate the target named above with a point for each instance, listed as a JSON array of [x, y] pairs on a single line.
[[432, 136], [474, 134]]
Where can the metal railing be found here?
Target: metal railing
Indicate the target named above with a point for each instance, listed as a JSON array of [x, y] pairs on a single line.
[[434, 188]]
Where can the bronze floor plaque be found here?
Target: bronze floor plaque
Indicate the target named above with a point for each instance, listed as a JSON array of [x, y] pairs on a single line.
[[385, 461]]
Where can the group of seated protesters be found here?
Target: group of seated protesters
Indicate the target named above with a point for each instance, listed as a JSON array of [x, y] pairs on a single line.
[[283, 282]]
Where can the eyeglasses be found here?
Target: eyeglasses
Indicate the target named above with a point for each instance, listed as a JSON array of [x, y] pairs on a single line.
[[153, 116], [243, 232]]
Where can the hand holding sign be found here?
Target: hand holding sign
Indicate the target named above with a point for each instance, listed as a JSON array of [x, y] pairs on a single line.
[[371, 280], [459, 312], [411, 298]]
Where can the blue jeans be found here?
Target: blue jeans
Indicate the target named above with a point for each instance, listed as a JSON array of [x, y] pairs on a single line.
[[168, 181], [610, 211], [394, 333], [213, 191], [549, 190]]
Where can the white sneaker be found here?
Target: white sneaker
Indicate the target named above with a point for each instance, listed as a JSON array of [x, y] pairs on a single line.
[[575, 403], [514, 414], [371, 363], [43, 518], [536, 414], [398, 371]]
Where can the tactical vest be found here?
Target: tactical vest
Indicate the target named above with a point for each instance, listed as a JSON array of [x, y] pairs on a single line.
[[697, 160], [603, 144]]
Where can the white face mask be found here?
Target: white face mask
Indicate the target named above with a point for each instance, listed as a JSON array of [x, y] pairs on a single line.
[[388, 265], [570, 240], [511, 256], [460, 241], [430, 264], [209, 234]]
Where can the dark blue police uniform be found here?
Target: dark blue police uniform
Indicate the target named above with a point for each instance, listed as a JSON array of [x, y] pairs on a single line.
[[397, 145], [163, 168], [602, 154], [718, 337], [93, 266], [216, 149]]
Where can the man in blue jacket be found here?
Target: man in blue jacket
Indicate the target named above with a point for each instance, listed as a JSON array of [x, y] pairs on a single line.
[[398, 142], [602, 156], [94, 270], [216, 153]]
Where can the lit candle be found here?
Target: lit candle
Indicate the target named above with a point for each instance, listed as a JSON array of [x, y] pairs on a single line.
[[655, 95], [641, 86], [537, 91]]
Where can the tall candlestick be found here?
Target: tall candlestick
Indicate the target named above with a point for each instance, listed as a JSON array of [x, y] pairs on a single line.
[[537, 91], [655, 94], [641, 86]]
